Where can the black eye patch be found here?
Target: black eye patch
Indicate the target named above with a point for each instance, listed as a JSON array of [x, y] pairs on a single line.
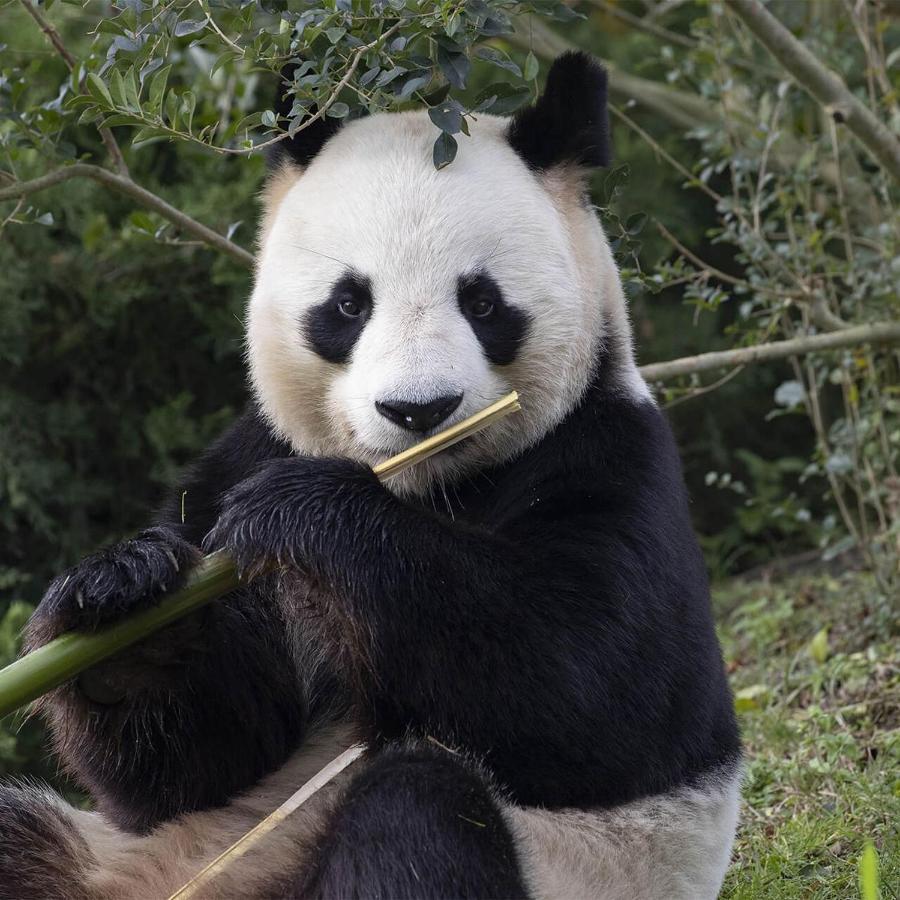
[[334, 326], [499, 327]]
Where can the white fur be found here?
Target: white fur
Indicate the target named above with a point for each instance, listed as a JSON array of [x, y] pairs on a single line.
[[673, 846], [154, 866], [372, 201]]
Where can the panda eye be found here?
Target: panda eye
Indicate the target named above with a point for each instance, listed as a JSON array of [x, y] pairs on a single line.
[[481, 309], [350, 308]]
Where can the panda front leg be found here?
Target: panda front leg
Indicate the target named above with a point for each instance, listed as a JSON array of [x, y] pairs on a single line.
[[418, 821], [185, 719]]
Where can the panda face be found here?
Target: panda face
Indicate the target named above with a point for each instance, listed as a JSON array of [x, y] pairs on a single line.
[[393, 300]]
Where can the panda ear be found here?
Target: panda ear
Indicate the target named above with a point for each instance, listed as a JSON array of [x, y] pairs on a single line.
[[306, 143], [569, 122]]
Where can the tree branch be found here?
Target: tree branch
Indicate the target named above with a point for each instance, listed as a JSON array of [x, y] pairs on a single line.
[[876, 333], [128, 187], [821, 83], [683, 110], [109, 140]]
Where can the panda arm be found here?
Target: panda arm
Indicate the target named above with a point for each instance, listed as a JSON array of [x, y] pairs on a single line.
[[520, 645], [199, 711]]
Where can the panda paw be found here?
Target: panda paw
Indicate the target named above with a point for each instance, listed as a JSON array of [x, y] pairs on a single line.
[[292, 511], [110, 584]]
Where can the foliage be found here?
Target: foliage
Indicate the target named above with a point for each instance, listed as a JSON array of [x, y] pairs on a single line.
[[816, 236], [187, 71], [815, 666]]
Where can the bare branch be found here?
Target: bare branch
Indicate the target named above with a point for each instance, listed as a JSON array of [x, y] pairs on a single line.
[[109, 140], [821, 83], [128, 187], [876, 333]]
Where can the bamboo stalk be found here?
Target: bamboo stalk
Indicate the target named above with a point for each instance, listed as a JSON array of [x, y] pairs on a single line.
[[49, 666], [246, 841]]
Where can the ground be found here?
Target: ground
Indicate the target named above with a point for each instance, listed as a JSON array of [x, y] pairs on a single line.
[[815, 665], [814, 662]]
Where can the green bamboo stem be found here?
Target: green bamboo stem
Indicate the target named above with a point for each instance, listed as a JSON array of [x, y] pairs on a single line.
[[65, 657], [49, 666]]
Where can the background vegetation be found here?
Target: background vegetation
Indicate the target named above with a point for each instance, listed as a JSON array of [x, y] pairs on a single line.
[[753, 201]]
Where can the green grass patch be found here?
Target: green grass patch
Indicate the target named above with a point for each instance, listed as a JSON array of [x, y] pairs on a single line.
[[814, 663]]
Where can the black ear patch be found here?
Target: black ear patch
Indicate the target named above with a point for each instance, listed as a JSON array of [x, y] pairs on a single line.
[[306, 143], [569, 122]]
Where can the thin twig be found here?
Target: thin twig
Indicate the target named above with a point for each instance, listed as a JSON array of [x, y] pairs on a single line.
[[707, 388], [705, 267], [109, 140], [126, 186]]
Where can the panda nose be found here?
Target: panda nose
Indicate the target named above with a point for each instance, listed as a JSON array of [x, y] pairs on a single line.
[[418, 416]]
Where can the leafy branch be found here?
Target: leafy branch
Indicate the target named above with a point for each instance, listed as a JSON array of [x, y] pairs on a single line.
[[821, 83], [129, 188]]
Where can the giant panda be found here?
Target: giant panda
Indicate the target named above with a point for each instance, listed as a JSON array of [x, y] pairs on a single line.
[[518, 629]]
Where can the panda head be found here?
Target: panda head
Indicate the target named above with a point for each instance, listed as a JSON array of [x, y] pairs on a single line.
[[393, 299]]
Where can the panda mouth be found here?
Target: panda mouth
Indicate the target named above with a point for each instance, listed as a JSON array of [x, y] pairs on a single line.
[[382, 453]]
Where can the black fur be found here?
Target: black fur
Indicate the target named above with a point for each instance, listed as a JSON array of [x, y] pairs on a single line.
[[205, 708], [307, 142], [417, 822], [116, 581], [558, 625], [331, 332], [569, 122], [500, 332]]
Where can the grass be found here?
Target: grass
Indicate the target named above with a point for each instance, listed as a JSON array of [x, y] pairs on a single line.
[[815, 666]]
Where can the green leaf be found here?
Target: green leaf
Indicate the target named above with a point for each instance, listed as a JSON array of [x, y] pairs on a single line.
[[337, 110], [158, 89], [635, 223], [448, 116], [190, 26], [145, 135], [99, 91], [269, 118], [502, 98], [132, 91], [444, 151], [140, 220], [751, 698], [818, 646], [411, 85], [455, 66], [172, 109], [389, 75], [117, 88], [149, 68], [530, 71], [188, 104], [496, 58], [868, 873]]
